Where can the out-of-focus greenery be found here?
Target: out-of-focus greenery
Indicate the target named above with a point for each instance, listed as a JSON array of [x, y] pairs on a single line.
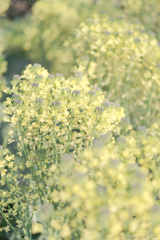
[[3, 62], [2, 86], [4, 6], [102, 199], [122, 59], [41, 34], [3, 66], [51, 22], [145, 11]]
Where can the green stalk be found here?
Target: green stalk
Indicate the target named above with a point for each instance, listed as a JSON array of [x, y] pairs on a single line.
[[30, 221], [10, 224], [69, 132], [93, 130], [32, 169], [55, 139], [13, 198]]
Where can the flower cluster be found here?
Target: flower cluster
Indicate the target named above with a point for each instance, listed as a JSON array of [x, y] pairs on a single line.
[[104, 194], [122, 61], [52, 117], [18, 195], [55, 114], [110, 191]]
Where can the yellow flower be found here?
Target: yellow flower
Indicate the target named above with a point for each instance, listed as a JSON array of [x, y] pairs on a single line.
[[37, 228], [66, 232]]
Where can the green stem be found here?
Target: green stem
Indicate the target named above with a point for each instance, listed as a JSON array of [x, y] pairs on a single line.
[[13, 196], [41, 162], [22, 142], [55, 140], [30, 220], [9, 224], [93, 130], [69, 132], [32, 169], [149, 107]]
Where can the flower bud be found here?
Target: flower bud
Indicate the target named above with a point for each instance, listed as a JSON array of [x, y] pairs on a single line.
[[38, 100], [59, 74], [37, 65], [56, 103], [16, 77], [99, 109], [78, 74], [76, 92]]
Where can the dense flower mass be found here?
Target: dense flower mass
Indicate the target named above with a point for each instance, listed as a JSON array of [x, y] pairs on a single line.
[[105, 194], [124, 64], [80, 155], [110, 191], [47, 112], [52, 117]]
